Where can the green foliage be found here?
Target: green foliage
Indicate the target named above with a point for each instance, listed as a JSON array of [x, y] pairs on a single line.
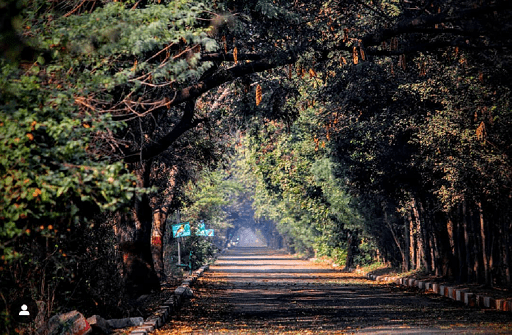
[[46, 170], [207, 197], [295, 185], [113, 43]]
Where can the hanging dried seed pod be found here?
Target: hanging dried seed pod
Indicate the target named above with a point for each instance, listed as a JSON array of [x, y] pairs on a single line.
[[480, 131], [258, 94], [355, 58], [423, 71], [401, 61], [361, 51]]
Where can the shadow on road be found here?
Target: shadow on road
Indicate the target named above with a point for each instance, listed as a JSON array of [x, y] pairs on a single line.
[[260, 291]]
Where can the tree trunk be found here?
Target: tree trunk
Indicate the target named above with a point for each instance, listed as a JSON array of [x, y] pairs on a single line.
[[350, 255], [135, 241], [412, 241], [445, 263], [421, 254], [407, 246], [157, 236], [483, 243], [467, 243], [460, 248], [505, 235], [397, 242]]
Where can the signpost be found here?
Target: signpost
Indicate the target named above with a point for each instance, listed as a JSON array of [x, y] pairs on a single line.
[[180, 230], [183, 229]]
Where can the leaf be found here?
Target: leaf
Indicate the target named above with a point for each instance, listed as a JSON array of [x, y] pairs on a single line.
[[258, 94], [355, 58], [235, 55]]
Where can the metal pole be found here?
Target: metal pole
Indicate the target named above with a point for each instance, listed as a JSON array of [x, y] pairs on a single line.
[[179, 238]]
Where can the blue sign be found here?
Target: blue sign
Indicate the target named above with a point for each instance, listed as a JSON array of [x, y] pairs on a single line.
[[202, 231], [181, 229]]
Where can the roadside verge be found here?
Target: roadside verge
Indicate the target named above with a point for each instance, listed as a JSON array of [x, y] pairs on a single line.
[[463, 295], [170, 306]]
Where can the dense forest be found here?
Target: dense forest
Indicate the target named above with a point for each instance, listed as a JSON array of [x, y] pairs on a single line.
[[360, 130]]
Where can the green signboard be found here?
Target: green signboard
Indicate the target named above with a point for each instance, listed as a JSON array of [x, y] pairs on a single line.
[[181, 229]]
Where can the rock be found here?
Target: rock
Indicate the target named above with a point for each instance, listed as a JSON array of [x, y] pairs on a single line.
[[184, 291], [124, 323], [71, 323], [99, 324]]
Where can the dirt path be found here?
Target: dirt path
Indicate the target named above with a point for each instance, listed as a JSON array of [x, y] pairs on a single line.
[[261, 291]]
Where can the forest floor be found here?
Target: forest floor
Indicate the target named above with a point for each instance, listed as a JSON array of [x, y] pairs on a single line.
[[263, 291]]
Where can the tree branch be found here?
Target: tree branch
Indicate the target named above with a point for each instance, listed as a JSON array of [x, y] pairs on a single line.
[[223, 57], [428, 21], [186, 123], [222, 76]]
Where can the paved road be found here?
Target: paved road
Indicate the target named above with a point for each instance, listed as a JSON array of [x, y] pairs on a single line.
[[261, 291]]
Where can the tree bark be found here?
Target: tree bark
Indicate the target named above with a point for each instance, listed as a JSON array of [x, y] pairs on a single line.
[[135, 241], [412, 241], [397, 242], [407, 246], [157, 236], [483, 243], [505, 234]]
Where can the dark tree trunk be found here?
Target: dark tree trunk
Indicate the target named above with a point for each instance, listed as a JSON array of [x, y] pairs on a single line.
[[406, 261], [460, 248], [135, 241], [157, 236], [351, 244], [445, 263]]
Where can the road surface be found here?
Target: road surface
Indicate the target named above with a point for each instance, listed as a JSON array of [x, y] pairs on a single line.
[[263, 291]]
